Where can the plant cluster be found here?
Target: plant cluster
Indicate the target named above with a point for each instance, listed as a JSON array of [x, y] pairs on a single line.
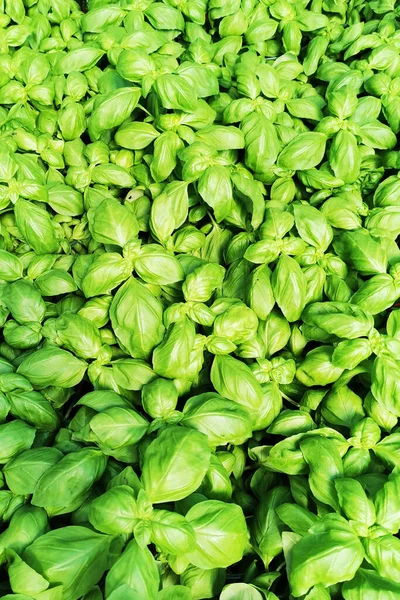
[[199, 267]]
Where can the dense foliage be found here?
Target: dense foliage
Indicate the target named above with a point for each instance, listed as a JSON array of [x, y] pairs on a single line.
[[200, 350]]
